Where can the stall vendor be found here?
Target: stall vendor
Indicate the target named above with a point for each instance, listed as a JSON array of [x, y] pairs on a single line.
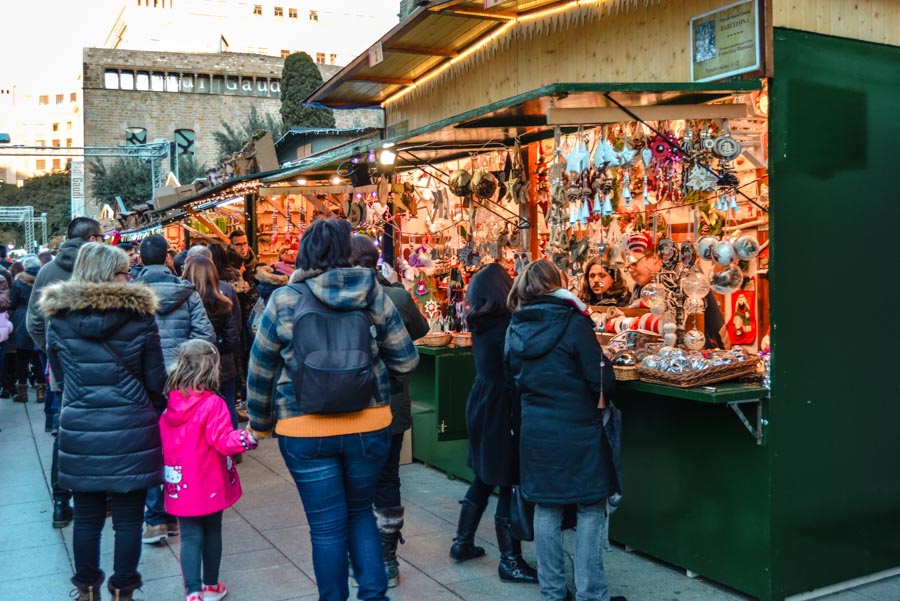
[[603, 285], [643, 266]]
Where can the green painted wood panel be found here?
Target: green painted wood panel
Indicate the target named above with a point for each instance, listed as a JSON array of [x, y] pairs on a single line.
[[835, 410]]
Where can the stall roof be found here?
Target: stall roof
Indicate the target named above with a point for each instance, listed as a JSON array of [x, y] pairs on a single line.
[[435, 33]]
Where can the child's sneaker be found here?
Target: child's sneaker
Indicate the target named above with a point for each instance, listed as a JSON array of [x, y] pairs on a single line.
[[214, 592], [194, 597]]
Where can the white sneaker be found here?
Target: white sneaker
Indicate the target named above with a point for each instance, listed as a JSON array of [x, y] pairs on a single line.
[[215, 592], [154, 534]]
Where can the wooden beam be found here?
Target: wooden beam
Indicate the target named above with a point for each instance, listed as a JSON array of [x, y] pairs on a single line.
[[400, 81], [502, 16], [657, 112], [445, 52]]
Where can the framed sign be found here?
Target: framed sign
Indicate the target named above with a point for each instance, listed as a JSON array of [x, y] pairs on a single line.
[[725, 42]]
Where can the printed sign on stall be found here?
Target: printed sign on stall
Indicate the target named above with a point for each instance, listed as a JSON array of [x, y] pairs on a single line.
[[725, 42], [77, 187]]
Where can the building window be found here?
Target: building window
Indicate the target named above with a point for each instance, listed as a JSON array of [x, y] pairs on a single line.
[[292, 13], [157, 82], [68, 126], [142, 81], [257, 9], [135, 135], [40, 165], [60, 98], [332, 59], [171, 82], [184, 142], [285, 53], [40, 143], [56, 127], [279, 11], [314, 16], [111, 80], [55, 143], [73, 97], [57, 163], [126, 80], [68, 142], [320, 58], [43, 100]]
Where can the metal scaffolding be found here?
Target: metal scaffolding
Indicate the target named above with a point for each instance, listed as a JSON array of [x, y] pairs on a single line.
[[25, 217]]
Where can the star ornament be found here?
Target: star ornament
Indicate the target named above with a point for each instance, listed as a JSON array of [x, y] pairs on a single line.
[[511, 189], [626, 157], [432, 309], [577, 160]]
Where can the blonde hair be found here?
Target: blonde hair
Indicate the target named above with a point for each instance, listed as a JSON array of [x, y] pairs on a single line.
[[536, 279], [97, 262], [197, 368]]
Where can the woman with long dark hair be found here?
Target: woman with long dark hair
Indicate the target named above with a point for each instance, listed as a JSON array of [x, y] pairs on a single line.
[[492, 415], [200, 271]]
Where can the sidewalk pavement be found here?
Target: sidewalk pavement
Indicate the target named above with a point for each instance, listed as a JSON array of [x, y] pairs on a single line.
[[267, 555]]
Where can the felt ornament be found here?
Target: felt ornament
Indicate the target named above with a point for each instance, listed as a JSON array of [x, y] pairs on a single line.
[[742, 325]]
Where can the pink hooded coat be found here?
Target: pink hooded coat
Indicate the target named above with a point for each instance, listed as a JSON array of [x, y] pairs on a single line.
[[198, 441]]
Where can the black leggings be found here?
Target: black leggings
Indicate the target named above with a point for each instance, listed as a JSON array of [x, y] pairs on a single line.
[[201, 540], [479, 493]]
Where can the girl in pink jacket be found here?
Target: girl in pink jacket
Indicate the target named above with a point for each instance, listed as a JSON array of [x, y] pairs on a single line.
[[201, 478]]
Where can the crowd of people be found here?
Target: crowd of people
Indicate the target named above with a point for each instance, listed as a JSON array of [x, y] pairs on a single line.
[[158, 370]]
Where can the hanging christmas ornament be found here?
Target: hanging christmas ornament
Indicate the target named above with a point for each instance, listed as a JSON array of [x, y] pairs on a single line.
[[484, 185], [724, 146], [667, 251], [653, 295], [687, 254], [726, 279], [705, 246], [578, 159], [695, 285], [694, 339], [604, 154], [460, 182], [723, 253], [746, 247]]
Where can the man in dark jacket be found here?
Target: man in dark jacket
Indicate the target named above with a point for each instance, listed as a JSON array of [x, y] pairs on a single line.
[[80, 231], [180, 317], [388, 508]]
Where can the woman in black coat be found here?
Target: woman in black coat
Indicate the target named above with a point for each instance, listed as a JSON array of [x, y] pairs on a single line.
[[492, 417], [103, 345], [20, 341], [564, 380]]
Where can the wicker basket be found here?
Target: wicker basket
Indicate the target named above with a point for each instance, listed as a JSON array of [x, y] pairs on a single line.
[[691, 379], [435, 339], [624, 373], [462, 339]]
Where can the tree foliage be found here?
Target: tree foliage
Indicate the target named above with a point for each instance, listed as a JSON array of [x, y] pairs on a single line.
[[189, 169], [300, 78], [126, 177], [48, 194], [232, 137]]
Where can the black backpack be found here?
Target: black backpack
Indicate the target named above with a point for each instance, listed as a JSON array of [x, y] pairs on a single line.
[[332, 369]]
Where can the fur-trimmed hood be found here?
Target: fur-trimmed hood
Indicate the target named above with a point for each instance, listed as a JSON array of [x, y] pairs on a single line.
[[25, 278], [64, 297]]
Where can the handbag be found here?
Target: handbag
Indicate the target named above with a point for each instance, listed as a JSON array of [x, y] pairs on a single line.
[[521, 516]]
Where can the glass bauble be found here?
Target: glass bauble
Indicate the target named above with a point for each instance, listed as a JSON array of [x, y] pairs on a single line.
[[726, 279], [746, 247], [705, 246], [694, 305], [695, 284], [694, 339], [723, 253], [653, 294]]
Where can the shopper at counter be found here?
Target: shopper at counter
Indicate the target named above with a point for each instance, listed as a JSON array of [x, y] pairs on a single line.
[[492, 415], [603, 285], [564, 379]]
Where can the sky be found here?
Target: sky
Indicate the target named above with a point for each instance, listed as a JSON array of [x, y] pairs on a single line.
[[41, 45]]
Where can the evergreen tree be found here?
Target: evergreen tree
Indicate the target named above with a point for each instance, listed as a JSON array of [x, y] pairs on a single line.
[[128, 178], [299, 79], [48, 194], [231, 138], [189, 169]]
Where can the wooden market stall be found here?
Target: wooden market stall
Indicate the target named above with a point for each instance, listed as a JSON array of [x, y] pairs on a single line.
[[778, 490]]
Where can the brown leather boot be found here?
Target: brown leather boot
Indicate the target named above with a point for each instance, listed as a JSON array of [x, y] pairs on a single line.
[[88, 593], [21, 393], [40, 391]]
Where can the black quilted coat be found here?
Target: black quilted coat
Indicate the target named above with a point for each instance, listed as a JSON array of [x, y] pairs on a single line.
[[108, 428]]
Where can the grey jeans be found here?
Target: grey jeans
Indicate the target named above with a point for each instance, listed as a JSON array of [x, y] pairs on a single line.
[[590, 537]]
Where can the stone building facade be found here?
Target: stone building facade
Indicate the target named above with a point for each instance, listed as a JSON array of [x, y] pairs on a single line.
[[133, 96]]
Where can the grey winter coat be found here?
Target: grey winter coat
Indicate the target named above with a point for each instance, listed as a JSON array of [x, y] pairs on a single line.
[[108, 428], [57, 270], [181, 315]]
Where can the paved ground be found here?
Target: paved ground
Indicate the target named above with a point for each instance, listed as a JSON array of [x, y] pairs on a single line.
[[267, 550]]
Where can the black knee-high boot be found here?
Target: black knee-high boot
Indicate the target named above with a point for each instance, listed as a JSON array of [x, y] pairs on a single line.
[[464, 547], [512, 567]]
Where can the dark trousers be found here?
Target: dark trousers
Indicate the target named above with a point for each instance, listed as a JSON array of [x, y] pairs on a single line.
[[201, 546], [25, 360], [479, 493], [227, 390], [59, 494], [127, 516], [387, 489]]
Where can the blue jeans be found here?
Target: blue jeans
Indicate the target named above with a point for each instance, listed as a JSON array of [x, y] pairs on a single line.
[[336, 476], [590, 539], [156, 508]]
